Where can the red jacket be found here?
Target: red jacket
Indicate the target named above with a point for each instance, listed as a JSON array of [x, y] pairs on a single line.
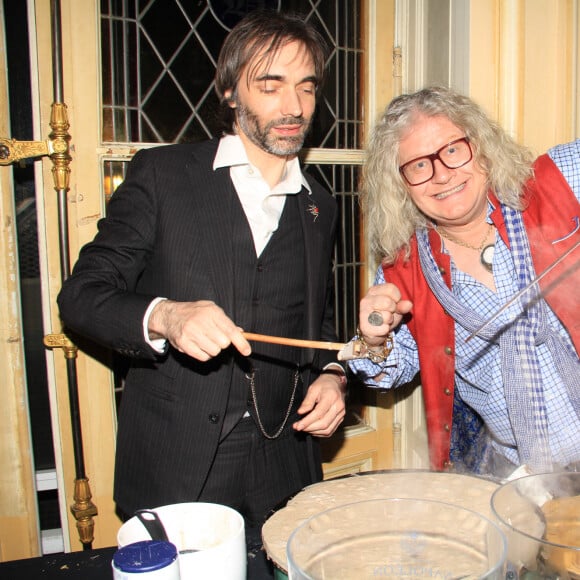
[[552, 224]]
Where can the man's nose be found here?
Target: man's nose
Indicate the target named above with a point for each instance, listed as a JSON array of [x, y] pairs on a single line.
[[441, 173], [291, 103]]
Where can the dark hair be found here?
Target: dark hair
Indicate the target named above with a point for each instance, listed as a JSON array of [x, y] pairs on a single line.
[[263, 31]]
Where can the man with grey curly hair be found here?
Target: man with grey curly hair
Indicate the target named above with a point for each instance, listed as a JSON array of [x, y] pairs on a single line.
[[462, 220]]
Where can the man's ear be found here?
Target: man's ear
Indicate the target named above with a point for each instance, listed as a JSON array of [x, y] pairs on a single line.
[[230, 99]]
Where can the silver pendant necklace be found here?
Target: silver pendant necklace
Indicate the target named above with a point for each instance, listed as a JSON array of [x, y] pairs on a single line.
[[486, 257], [485, 251]]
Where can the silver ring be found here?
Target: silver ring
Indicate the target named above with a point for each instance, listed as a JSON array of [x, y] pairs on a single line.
[[375, 318]]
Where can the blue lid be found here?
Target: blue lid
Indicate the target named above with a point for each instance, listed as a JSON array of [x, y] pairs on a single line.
[[144, 556]]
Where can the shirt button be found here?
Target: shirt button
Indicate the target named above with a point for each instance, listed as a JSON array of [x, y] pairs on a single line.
[[447, 464], [446, 427], [448, 350], [442, 270], [447, 391], [213, 418], [260, 268]]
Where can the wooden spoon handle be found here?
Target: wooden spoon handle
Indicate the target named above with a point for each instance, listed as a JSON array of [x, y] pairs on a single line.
[[294, 341]]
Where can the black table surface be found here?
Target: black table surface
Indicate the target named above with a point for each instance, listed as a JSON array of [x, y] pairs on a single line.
[[96, 565], [86, 564]]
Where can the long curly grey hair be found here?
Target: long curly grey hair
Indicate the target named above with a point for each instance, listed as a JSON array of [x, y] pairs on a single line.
[[391, 216]]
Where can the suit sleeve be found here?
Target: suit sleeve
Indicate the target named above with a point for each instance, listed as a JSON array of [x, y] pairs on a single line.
[[99, 299]]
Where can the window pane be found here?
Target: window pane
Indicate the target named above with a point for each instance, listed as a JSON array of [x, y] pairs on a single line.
[[159, 62]]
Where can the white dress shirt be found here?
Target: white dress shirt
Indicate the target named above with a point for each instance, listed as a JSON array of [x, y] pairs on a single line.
[[262, 205]]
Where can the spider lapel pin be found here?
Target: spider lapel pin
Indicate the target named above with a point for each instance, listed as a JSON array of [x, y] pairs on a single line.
[[313, 210]]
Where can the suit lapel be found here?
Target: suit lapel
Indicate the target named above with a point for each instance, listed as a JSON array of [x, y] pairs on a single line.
[[213, 199], [313, 242]]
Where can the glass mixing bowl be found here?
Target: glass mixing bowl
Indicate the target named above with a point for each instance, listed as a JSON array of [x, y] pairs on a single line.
[[540, 516], [396, 537]]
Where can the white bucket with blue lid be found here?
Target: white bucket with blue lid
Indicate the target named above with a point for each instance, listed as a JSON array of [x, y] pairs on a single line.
[[146, 560], [210, 539]]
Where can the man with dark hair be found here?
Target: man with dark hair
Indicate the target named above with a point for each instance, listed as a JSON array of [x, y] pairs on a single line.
[[201, 243]]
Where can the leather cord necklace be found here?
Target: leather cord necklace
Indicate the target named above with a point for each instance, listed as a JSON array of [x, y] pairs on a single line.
[[485, 251]]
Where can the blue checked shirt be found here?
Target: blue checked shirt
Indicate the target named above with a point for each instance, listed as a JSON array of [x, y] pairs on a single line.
[[478, 376]]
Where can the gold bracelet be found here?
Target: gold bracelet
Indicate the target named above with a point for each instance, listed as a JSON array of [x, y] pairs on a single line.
[[374, 355]]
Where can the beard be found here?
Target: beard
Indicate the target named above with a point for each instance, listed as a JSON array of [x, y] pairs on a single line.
[[249, 123]]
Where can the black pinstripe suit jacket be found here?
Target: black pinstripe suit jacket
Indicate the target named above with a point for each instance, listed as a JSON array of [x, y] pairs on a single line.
[[166, 234]]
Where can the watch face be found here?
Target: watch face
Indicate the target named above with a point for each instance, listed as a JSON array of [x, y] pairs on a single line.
[[229, 12]]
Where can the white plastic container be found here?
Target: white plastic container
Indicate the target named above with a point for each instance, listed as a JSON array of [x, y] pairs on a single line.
[[210, 539]]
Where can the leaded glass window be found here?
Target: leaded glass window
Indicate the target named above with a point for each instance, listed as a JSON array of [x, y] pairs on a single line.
[[159, 59]]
